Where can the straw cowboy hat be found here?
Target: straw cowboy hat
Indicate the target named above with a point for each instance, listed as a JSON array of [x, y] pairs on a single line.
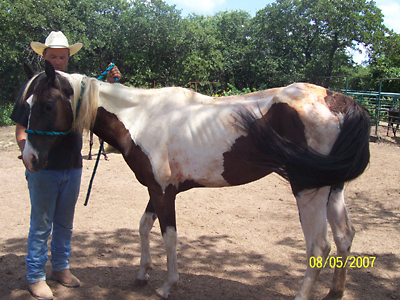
[[56, 39]]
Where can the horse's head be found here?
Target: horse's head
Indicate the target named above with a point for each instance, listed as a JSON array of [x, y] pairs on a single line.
[[49, 97]]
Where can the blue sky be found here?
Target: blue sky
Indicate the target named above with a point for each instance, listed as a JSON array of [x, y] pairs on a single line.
[[390, 8]]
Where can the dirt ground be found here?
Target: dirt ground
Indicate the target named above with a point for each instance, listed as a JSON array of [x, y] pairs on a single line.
[[234, 243]]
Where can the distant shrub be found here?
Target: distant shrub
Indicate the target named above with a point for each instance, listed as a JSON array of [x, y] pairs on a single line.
[[5, 112]]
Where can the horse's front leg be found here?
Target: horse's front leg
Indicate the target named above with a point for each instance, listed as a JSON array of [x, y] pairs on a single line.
[[170, 243], [164, 205], [312, 206], [146, 224]]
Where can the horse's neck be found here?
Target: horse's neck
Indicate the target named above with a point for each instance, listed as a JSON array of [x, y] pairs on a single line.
[[118, 97]]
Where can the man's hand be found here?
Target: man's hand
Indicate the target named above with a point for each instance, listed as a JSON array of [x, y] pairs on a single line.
[[113, 73]]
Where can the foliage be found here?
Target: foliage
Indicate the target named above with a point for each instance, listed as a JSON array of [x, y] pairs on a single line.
[[308, 38], [153, 45], [385, 62], [5, 112], [231, 90]]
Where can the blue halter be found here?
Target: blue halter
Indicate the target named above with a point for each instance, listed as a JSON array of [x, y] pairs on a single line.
[[62, 133]]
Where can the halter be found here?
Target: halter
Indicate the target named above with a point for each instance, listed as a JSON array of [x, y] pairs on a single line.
[[62, 133]]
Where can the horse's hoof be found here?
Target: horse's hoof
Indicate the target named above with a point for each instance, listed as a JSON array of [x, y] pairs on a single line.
[[140, 282], [161, 293], [333, 296]]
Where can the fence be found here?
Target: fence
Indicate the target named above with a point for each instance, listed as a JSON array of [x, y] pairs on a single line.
[[378, 105], [384, 107]]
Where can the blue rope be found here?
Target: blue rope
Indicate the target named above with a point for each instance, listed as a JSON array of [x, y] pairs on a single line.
[[50, 133], [106, 71], [94, 173], [101, 144]]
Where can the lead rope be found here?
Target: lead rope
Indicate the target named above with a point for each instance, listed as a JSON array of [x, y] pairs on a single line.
[[101, 143]]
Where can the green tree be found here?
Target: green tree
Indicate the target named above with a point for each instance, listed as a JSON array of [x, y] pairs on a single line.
[[232, 29], [385, 62], [310, 38]]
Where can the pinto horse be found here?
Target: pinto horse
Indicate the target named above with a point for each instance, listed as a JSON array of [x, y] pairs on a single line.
[[174, 139]]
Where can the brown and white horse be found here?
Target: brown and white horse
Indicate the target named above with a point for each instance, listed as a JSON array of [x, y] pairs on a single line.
[[174, 139]]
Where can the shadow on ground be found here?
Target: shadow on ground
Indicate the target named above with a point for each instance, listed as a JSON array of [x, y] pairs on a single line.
[[107, 263]]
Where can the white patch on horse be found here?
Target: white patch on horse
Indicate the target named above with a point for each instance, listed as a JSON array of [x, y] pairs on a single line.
[[183, 133], [30, 101], [29, 154]]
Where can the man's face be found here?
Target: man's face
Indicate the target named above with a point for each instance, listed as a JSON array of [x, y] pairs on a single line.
[[58, 57]]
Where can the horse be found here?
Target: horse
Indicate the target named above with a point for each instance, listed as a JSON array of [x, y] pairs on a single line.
[[393, 118], [175, 139], [103, 151]]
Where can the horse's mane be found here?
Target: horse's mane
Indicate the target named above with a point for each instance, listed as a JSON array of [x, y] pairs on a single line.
[[88, 100]]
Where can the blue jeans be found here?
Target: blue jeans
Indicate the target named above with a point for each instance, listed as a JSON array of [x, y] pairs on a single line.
[[53, 195]]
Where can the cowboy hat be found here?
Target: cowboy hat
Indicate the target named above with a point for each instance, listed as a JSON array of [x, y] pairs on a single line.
[[56, 39]]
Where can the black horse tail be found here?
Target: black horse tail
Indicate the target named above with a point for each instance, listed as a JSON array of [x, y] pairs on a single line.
[[303, 167]]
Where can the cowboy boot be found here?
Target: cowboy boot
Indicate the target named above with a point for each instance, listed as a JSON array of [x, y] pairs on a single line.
[[40, 290], [65, 278]]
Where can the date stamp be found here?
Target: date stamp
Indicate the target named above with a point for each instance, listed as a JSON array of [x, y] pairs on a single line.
[[355, 262]]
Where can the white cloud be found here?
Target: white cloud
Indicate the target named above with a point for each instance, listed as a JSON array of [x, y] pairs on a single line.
[[391, 11], [202, 6]]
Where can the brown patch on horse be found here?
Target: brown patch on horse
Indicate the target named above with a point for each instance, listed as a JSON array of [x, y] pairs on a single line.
[[337, 102], [238, 166], [239, 169], [285, 120]]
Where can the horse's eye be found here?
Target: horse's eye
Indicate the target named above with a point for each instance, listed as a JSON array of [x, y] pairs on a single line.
[[48, 107]]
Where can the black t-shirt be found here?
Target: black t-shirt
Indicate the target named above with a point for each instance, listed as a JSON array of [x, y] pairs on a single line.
[[66, 152]]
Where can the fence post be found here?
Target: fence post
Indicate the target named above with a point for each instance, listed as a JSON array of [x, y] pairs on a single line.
[[378, 108]]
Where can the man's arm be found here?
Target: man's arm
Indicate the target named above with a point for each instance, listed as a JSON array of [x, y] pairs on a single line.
[[20, 136]]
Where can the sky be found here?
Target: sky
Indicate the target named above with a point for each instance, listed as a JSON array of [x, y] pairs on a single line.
[[390, 10]]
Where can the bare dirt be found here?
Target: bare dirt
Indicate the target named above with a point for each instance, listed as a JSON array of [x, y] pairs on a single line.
[[234, 243]]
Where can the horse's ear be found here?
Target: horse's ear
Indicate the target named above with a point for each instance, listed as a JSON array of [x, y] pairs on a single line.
[[50, 72], [28, 71]]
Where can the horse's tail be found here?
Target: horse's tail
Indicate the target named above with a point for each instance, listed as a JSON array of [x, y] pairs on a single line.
[[304, 167]]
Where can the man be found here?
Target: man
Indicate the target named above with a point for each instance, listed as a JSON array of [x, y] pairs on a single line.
[[53, 191]]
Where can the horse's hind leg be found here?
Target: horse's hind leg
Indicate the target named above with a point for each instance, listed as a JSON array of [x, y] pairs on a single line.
[[146, 224], [312, 206], [343, 234]]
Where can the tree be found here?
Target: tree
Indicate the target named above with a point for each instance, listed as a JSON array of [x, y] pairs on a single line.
[[385, 62], [309, 39]]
